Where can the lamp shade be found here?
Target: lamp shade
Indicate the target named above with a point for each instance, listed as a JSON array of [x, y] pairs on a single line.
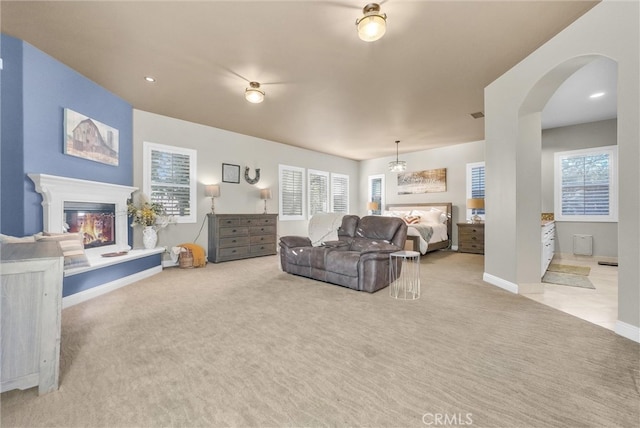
[[372, 206], [475, 203], [265, 194], [212, 190]]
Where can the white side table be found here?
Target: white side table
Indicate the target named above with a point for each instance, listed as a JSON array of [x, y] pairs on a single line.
[[404, 275]]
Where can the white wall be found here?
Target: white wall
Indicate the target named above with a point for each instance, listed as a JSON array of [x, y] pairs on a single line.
[[513, 140], [216, 146], [587, 135], [453, 158]]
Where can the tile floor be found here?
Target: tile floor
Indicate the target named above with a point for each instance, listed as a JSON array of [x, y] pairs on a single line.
[[599, 306]]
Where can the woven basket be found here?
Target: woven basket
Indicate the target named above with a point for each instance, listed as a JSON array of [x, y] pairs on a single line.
[[185, 260]]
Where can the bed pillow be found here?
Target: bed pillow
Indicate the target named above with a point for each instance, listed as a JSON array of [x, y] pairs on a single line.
[[443, 215], [411, 219], [7, 239], [400, 214], [427, 216], [71, 246]]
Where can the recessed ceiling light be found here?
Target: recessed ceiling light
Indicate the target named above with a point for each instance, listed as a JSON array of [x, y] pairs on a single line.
[[597, 95], [150, 79]]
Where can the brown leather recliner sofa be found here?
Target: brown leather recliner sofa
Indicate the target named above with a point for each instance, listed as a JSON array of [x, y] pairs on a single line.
[[358, 260]]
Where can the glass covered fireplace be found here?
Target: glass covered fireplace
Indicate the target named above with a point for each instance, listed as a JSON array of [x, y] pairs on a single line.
[[96, 222]]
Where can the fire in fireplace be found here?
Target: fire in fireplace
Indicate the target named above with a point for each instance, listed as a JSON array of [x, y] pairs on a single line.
[[96, 222]]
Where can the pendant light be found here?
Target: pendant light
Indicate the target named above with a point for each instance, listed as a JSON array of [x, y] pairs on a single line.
[[254, 94], [373, 24], [397, 165]]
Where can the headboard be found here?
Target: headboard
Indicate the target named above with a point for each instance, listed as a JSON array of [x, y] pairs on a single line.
[[446, 207]]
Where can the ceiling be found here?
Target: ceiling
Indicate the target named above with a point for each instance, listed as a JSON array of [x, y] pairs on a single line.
[[326, 90]]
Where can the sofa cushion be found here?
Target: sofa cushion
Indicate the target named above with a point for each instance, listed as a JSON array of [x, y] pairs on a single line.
[[7, 239], [343, 262], [377, 227]]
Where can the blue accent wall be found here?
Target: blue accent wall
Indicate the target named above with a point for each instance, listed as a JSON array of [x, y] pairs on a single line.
[[84, 281], [11, 148], [37, 105], [35, 89]]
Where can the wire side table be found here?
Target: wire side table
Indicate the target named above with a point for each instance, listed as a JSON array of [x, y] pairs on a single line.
[[404, 275]]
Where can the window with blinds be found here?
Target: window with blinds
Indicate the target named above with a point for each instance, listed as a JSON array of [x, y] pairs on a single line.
[[475, 186], [339, 193], [292, 193], [585, 184], [376, 193], [318, 184], [170, 179]]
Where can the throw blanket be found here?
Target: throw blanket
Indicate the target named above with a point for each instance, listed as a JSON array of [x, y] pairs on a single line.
[[425, 230], [199, 259], [324, 227]]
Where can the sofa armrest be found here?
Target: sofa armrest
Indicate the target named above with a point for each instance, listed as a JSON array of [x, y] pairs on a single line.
[[380, 247], [336, 245], [295, 241]]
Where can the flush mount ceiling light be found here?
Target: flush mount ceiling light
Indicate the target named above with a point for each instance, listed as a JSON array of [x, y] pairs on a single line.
[[373, 24], [150, 79], [254, 94], [397, 165], [597, 95]]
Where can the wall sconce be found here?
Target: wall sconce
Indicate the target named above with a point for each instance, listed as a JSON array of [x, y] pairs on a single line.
[[372, 206], [264, 195], [212, 191], [475, 204]]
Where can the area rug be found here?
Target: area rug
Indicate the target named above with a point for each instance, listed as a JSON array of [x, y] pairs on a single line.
[[575, 270], [567, 279]]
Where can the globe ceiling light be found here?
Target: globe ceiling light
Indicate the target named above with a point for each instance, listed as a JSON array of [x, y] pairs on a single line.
[[254, 94], [373, 24], [397, 165]]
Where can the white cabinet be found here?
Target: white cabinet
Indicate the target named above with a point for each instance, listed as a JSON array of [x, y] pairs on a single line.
[[548, 244], [31, 305]]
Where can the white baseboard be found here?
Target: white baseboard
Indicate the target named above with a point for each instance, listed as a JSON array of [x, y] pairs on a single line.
[[627, 330], [499, 282], [94, 292], [169, 263]]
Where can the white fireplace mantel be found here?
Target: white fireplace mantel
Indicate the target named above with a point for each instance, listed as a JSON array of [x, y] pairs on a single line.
[[56, 190]]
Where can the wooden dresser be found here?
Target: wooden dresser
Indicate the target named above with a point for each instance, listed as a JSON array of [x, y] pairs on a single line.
[[31, 315], [471, 238], [240, 236]]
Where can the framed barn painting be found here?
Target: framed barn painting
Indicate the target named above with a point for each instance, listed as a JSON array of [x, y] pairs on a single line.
[[428, 181], [89, 139]]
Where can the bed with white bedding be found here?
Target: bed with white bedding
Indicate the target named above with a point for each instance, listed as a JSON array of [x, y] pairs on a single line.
[[429, 224]]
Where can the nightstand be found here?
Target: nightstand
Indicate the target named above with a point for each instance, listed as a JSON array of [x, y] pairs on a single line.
[[471, 238]]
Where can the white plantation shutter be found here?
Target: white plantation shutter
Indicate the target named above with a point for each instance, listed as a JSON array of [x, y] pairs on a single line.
[[475, 185], [340, 193], [586, 185], [318, 192], [170, 179], [376, 192], [292, 193]]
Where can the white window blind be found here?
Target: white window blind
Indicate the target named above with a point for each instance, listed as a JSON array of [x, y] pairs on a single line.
[[376, 192], [170, 179], [318, 192], [292, 193], [585, 184], [475, 185], [339, 193]]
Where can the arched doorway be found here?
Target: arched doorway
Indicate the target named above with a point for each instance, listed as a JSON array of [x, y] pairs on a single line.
[[577, 126]]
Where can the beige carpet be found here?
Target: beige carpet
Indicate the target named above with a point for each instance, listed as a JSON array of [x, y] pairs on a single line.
[[243, 344]]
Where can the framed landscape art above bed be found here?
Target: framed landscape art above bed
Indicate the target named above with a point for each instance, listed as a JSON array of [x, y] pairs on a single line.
[[430, 224]]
